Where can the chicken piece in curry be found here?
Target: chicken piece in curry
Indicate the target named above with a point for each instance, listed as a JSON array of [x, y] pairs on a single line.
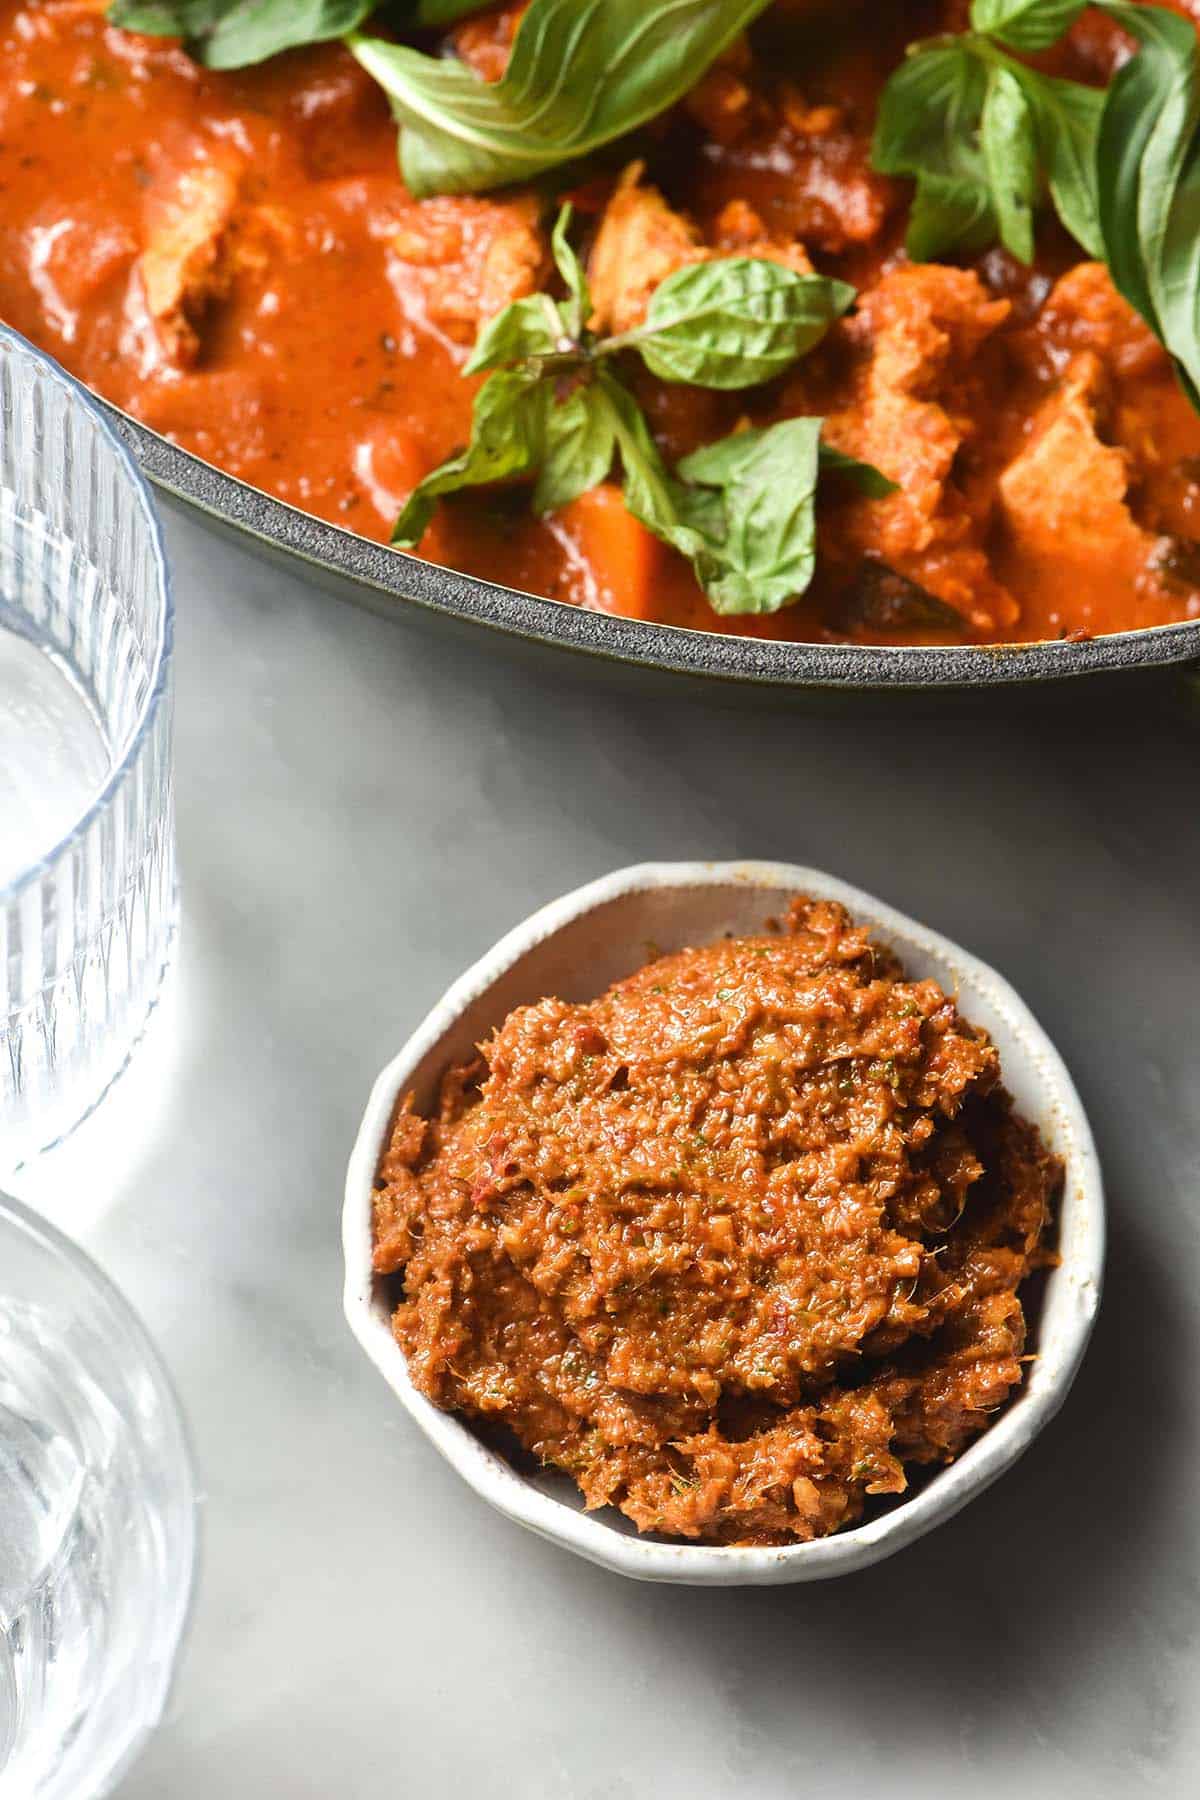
[[234, 259]]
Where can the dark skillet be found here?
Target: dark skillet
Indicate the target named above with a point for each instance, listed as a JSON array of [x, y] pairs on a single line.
[[390, 582]]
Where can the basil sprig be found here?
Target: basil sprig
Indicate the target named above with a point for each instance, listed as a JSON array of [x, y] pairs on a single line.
[[581, 73], [982, 134], [554, 409], [230, 34]]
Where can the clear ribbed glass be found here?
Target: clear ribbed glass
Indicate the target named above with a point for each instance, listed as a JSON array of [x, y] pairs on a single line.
[[97, 1522], [87, 843]]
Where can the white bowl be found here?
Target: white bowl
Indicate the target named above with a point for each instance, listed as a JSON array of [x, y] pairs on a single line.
[[574, 949]]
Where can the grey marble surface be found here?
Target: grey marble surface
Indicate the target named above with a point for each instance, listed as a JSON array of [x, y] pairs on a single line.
[[362, 809]]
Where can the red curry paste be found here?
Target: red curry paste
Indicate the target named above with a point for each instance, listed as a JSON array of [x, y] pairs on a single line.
[[734, 1244]]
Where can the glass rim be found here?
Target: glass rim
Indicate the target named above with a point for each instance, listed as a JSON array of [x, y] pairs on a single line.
[[50, 369]]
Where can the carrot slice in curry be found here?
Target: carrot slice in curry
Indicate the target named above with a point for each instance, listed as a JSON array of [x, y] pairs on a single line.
[[625, 559]]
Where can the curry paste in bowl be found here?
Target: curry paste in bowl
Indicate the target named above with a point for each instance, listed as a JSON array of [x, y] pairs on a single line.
[[231, 255], [740, 1245]]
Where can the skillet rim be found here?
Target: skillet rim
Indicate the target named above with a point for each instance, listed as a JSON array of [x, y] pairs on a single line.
[[392, 580]]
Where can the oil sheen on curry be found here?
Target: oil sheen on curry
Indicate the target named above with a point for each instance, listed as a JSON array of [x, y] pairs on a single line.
[[739, 1245], [234, 259]]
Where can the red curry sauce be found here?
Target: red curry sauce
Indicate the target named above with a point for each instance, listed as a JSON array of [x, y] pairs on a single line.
[[234, 259]]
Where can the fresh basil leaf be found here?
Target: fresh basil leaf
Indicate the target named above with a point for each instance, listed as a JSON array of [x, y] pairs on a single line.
[[166, 18], [871, 482], [229, 34], [929, 114], [949, 215], [928, 128], [1131, 114], [508, 431], [445, 12], [650, 493], [1178, 281], [1149, 178], [579, 448], [1025, 24], [1067, 123], [1010, 154], [767, 480], [735, 322], [581, 73], [527, 328], [578, 309]]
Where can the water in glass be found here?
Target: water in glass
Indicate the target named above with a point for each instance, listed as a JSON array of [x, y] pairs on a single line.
[[53, 756]]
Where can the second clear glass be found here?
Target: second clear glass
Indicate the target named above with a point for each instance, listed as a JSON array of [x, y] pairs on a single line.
[[98, 1521]]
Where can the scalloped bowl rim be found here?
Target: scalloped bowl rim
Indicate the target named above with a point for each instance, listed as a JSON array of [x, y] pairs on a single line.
[[1069, 1306]]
